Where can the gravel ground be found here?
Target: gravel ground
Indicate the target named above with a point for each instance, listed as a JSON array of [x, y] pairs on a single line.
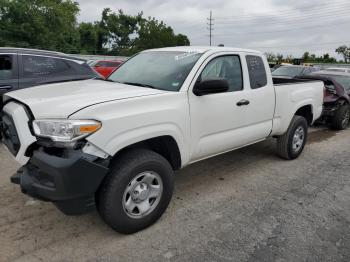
[[246, 205]]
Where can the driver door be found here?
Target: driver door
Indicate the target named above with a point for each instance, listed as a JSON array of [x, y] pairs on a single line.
[[217, 120]]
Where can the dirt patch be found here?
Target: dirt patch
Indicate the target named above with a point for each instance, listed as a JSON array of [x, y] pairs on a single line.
[[321, 135]]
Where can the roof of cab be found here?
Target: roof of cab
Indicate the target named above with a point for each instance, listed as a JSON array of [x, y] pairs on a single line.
[[203, 49], [38, 52]]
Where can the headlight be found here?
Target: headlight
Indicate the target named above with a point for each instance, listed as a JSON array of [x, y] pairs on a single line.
[[65, 130]]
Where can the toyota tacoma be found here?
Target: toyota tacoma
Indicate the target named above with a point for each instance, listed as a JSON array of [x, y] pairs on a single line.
[[114, 144]]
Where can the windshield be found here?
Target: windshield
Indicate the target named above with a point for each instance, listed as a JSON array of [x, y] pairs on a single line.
[[165, 70], [288, 71], [343, 80]]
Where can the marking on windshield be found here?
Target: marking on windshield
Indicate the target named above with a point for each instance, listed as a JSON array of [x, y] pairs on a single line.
[[185, 55]]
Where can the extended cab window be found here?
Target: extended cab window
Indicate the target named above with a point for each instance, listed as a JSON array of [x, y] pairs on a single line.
[[257, 72], [6, 67], [39, 66], [227, 67]]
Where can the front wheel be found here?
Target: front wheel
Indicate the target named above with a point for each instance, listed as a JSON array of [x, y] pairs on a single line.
[[291, 144], [136, 192]]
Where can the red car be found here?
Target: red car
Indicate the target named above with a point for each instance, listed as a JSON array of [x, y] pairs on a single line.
[[106, 67]]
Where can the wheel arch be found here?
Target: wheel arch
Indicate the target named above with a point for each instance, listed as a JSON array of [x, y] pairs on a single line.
[[306, 111], [165, 145]]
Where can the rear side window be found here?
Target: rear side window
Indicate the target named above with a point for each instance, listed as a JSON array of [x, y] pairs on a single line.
[[40, 66], [257, 72], [6, 67]]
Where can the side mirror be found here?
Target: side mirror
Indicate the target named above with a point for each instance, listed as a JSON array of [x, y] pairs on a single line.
[[210, 86]]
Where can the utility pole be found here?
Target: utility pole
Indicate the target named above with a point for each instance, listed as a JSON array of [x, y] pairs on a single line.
[[210, 24]]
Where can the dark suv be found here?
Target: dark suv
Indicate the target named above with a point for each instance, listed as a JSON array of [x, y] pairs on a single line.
[[22, 68]]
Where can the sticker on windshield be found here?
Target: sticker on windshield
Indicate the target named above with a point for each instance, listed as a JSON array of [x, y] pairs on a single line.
[[185, 55], [175, 84]]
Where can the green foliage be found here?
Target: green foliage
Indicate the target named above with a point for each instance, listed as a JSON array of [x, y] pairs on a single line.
[[271, 57], [279, 58], [345, 51], [48, 24], [306, 57], [88, 33], [130, 34], [52, 25], [153, 33]]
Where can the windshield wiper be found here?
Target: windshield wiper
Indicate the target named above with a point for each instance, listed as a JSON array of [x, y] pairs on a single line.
[[139, 84]]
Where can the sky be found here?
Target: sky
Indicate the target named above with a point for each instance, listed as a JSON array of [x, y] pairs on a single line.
[[280, 26]]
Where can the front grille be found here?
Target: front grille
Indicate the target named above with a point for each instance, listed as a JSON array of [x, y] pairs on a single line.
[[9, 134]]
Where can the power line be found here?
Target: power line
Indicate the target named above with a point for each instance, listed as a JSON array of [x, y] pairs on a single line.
[[210, 24], [318, 8], [298, 19], [303, 45], [315, 14], [277, 31], [286, 13]]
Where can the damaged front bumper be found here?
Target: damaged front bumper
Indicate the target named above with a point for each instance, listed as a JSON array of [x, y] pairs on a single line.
[[70, 180]]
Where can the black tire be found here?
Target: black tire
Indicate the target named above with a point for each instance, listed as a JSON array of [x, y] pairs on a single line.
[[122, 172], [340, 121], [285, 142]]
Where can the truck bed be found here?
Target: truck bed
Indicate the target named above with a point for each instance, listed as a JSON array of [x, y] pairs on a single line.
[[292, 94]]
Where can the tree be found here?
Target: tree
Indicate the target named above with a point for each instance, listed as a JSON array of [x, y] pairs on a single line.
[[153, 33], [47, 24], [345, 51], [52, 25], [271, 57], [88, 33], [306, 57], [127, 34], [102, 31], [182, 40], [313, 57], [289, 59], [327, 59], [279, 58], [121, 28]]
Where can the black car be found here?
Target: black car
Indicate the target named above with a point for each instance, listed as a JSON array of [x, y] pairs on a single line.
[[22, 68]]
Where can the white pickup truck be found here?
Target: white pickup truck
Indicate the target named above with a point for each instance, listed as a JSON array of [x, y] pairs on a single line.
[[114, 144]]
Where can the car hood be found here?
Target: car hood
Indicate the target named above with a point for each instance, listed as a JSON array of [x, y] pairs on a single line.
[[63, 99]]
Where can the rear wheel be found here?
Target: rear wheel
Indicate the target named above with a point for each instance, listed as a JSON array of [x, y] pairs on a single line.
[[291, 144], [136, 192], [341, 118]]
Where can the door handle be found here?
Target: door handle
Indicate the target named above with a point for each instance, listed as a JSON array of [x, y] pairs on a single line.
[[243, 102], [5, 87]]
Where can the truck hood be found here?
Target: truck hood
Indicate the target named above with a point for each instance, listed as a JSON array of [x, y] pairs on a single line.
[[63, 99]]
